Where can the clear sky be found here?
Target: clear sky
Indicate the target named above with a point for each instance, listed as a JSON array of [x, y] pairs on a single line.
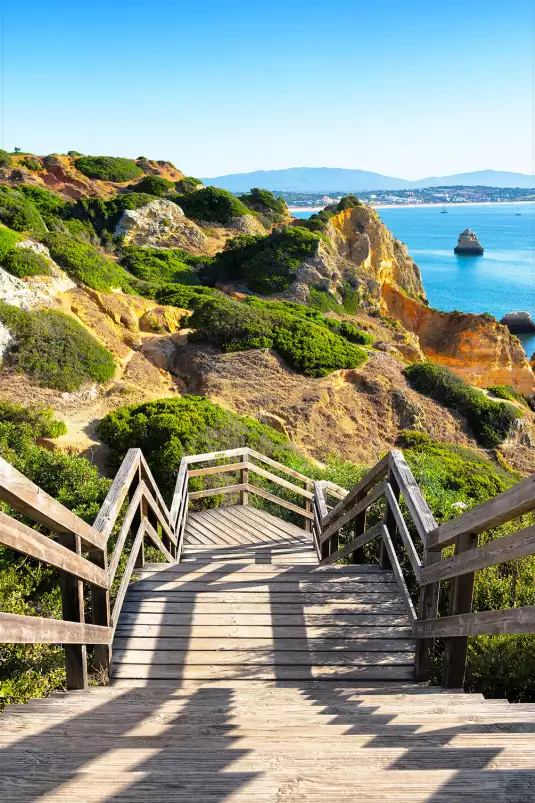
[[401, 87]]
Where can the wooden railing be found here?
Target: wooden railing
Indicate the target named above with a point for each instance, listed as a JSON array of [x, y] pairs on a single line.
[[246, 463], [81, 553], [384, 485]]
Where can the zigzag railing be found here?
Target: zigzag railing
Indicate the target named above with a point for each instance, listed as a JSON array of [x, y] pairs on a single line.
[[391, 479]]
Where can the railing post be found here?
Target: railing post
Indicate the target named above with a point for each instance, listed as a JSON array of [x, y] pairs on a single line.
[[359, 528], [461, 593], [144, 513], [72, 601], [390, 523], [100, 613], [245, 479], [428, 609], [308, 508]]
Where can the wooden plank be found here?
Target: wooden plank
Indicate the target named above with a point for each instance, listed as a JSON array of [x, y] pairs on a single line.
[[15, 629], [32, 501], [428, 609], [72, 607], [412, 554], [115, 497], [160, 632], [461, 593], [278, 501], [266, 620], [133, 508], [418, 508], [398, 574], [354, 581], [23, 539], [127, 574], [150, 482], [239, 530], [228, 489], [353, 511], [156, 540], [255, 586], [258, 529], [500, 550], [273, 463], [299, 643], [178, 494], [375, 475], [279, 481], [253, 513], [210, 456], [356, 543], [485, 623], [270, 656], [168, 531], [506, 506], [216, 671], [221, 469]]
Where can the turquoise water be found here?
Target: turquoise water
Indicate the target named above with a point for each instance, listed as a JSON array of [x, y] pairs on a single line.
[[500, 281]]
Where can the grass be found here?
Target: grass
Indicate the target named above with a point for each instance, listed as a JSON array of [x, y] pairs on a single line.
[[84, 263], [108, 168]]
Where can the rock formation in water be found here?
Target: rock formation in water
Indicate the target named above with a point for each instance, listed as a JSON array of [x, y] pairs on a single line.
[[468, 244], [519, 323]]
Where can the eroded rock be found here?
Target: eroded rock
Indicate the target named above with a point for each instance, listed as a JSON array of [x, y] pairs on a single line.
[[161, 224], [518, 323]]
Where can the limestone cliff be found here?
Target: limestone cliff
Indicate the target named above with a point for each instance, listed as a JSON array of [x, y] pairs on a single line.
[[477, 348]]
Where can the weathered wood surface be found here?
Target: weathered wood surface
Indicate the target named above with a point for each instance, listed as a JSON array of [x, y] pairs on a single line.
[[115, 497], [15, 629], [485, 623], [398, 574], [353, 511], [408, 543], [27, 541], [27, 498], [410, 490], [356, 543], [375, 475]]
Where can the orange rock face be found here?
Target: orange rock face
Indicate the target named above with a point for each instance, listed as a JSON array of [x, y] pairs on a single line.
[[478, 349]]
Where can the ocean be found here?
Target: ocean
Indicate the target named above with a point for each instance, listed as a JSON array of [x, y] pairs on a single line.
[[500, 281]]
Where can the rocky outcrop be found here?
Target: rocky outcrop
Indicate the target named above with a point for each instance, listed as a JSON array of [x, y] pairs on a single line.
[[519, 323], [475, 347], [27, 293], [161, 224], [468, 244], [5, 340]]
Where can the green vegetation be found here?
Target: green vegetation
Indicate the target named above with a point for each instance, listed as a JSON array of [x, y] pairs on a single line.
[[310, 347], [85, 263], [39, 419], [31, 163], [318, 221], [188, 184], [210, 204], [5, 158], [108, 168], [265, 264], [8, 241], [490, 421], [508, 392], [24, 262], [161, 265], [49, 205], [19, 213], [105, 214], [154, 185], [55, 349]]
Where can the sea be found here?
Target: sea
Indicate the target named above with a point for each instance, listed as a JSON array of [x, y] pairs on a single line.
[[501, 280]]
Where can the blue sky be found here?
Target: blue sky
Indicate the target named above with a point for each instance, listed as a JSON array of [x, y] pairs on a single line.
[[405, 88]]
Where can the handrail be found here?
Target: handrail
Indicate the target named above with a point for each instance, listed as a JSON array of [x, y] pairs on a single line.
[[392, 478], [147, 514]]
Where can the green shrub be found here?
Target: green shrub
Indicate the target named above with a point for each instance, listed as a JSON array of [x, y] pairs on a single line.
[[264, 201], [266, 264], [348, 202], [85, 263], [8, 241], [490, 421], [105, 214], [154, 185], [210, 204], [308, 347], [40, 419], [188, 184], [5, 158], [19, 213], [108, 168], [507, 392], [349, 331], [55, 349], [30, 163], [24, 262], [160, 265], [74, 153], [184, 297], [50, 206]]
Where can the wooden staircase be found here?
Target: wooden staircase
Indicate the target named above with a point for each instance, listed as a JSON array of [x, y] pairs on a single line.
[[254, 667]]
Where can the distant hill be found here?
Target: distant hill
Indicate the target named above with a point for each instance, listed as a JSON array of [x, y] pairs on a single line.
[[335, 179]]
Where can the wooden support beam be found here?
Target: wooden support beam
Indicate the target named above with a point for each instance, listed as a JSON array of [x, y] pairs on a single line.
[[365, 538], [390, 519], [461, 592], [245, 479], [428, 609], [16, 629], [72, 603], [398, 574], [511, 622]]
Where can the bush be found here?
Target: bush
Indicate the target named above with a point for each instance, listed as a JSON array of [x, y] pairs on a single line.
[[8, 241], [490, 421], [266, 264], [154, 185], [30, 163], [108, 168], [507, 392], [24, 262], [5, 158], [55, 349], [308, 347], [160, 265], [50, 206], [264, 201], [184, 297], [19, 213], [210, 204], [40, 419], [188, 184], [348, 202], [105, 214], [85, 263]]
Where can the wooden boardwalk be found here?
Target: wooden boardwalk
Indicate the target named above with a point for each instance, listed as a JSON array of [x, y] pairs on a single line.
[[248, 673]]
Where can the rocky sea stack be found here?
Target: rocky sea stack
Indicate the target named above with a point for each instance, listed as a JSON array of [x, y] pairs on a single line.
[[468, 244], [519, 323]]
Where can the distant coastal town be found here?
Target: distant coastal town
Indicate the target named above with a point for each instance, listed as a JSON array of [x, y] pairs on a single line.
[[430, 195]]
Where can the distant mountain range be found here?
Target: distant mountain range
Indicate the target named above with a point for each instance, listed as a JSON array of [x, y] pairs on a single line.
[[335, 179]]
